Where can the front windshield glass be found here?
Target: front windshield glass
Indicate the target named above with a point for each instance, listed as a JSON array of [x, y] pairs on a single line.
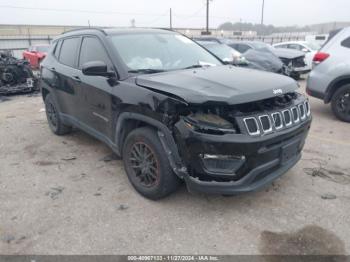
[[161, 52]]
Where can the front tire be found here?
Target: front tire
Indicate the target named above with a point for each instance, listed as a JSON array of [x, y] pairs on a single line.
[[147, 165], [341, 103], [53, 117]]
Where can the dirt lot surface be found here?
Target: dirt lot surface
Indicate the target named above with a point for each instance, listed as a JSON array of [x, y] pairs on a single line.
[[62, 195]]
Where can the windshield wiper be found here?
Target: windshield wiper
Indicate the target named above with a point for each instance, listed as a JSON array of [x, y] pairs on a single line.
[[146, 71], [194, 66]]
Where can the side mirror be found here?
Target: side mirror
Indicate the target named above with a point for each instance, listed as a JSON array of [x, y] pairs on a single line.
[[305, 50], [96, 68]]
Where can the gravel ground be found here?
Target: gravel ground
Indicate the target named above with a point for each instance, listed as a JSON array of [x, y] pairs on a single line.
[[66, 195]]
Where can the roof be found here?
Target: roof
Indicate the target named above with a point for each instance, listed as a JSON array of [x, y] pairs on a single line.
[[115, 31], [291, 42]]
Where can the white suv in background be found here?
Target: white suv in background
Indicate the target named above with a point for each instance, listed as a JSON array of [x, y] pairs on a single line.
[[309, 48], [330, 78]]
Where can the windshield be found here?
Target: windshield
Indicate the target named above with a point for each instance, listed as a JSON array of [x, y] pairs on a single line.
[[161, 52]]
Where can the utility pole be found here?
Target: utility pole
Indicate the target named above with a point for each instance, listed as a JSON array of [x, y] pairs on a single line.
[[262, 12], [207, 17], [171, 19]]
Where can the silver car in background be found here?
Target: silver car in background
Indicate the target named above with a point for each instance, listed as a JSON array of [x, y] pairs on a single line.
[[330, 78]]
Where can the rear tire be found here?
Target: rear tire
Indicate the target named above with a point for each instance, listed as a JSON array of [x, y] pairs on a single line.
[[147, 165], [53, 117], [341, 103]]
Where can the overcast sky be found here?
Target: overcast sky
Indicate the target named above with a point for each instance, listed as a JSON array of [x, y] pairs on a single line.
[[186, 13]]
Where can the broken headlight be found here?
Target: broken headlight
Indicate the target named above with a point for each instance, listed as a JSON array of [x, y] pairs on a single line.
[[210, 124]]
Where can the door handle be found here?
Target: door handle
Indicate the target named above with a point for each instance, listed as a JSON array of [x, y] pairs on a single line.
[[76, 78], [53, 69]]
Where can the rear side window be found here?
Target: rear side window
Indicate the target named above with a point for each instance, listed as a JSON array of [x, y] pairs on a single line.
[[332, 34], [69, 51], [92, 50], [281, 46], [295, 46], [346, 42]]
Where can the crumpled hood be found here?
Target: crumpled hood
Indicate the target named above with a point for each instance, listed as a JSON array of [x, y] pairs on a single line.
[[288, 53], [223, 84]]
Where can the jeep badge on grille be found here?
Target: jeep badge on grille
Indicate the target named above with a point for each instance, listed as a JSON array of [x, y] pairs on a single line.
[[277, 91]]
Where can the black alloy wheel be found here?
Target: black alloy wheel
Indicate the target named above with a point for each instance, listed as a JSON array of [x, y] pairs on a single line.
[[144, 164], [341, 103]]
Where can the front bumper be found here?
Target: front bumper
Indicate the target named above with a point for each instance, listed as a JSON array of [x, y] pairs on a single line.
[[266, 158]]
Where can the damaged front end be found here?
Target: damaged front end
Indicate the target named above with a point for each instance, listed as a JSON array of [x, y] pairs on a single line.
[[230, 149], [294, 67], [16, 75]]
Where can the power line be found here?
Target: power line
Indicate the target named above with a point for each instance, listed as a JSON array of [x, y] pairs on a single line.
[[75, 10], [149, 23], [194, 15]]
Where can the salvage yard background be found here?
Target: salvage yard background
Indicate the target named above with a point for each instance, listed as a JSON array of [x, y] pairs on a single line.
[[70, 195], [19, 38]]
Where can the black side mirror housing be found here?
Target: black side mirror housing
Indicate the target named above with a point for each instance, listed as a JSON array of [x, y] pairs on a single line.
[[96, 68]]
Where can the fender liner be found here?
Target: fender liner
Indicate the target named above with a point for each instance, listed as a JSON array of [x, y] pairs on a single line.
[[331, 87], [164, 135]]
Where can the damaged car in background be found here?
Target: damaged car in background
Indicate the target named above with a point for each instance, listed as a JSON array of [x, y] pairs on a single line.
[[35, 55], [229, 55], [293, 60], [173, 111], [16, 75], [265, 57]]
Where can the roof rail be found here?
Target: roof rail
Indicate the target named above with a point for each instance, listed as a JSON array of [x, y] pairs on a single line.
[[85, 28]]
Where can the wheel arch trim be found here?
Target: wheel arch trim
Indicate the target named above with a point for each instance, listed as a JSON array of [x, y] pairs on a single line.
[[333, 86], [164, 135]]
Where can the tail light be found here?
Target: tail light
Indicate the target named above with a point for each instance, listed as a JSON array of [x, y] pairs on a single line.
[[320, 57]]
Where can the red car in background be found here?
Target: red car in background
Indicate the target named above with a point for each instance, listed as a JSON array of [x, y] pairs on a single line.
[[35, 54]]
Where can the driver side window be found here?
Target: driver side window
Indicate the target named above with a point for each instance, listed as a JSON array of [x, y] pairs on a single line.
[[93, 50]]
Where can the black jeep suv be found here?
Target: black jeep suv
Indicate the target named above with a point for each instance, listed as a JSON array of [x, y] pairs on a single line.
[[173, 111]]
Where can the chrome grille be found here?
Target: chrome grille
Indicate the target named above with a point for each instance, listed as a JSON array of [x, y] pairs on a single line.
[[302, 111], [287, 117], [307, 108], [252, 126], [267, 123], [295, 114], [277, 120]]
